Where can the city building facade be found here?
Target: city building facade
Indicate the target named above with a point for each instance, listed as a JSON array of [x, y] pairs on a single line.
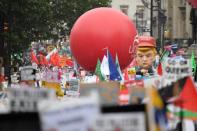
[[178, 24], [137, 12], [169, 20]]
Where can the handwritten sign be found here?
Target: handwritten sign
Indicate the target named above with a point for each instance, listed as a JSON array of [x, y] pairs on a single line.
[[26, 99], [27, 73], [175, 69]]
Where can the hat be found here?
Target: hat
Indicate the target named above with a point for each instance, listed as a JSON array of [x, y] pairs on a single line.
[[146, 41]]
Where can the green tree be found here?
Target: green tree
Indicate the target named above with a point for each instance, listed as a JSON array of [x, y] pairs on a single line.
[[31, 20]]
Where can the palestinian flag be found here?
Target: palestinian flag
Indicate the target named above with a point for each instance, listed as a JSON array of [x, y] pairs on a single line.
[[185, 104], [177, 112]]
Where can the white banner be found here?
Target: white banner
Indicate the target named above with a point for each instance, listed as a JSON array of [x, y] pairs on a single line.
[[26, 99], [120, 122], [75, 115]]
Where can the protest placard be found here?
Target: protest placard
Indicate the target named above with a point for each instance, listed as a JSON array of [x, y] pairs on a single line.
[[72, 88], [26, 99], [175, 69], [27, 73], [136, 95], [75, 115], [121, 118], [108, 91]]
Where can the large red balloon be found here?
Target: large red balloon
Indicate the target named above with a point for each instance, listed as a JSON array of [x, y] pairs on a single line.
[[194, 3], [98, 29]]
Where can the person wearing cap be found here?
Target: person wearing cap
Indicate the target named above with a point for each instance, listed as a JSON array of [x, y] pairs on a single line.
[[145, 52]]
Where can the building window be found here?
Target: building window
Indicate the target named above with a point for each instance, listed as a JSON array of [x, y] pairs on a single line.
[[140, 21], [124, 9]]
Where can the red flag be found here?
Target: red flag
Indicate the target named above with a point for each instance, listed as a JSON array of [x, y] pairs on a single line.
[[54, 59], [57, 59], [159, 69], [188, 96], [34, 58], [51, 60], [69, 62]]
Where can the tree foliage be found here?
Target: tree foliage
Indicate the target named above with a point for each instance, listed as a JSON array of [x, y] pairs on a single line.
[[32, 20]]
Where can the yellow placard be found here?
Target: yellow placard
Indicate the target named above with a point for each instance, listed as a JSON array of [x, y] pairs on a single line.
[[53, 85]]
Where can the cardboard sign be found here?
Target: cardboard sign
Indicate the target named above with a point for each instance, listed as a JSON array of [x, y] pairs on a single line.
[[121, 118], [72, 88], [26, 99], [27, 73], [175, 69], [15, 78], [121, 121], [136, 95], [50, 76], [108, 91], [68, 116]]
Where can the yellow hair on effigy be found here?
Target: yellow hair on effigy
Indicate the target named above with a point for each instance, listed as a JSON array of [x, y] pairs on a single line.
[[145, 49]]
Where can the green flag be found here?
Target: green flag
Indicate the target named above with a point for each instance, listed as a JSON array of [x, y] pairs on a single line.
[[193, 62], [164, 56], [98, 71]]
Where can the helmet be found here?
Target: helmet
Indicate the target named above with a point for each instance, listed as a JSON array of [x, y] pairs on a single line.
[[147, 41]]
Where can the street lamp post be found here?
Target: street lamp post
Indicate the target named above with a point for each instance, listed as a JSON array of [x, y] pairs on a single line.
[[151, 18], [136, 19], [140, 20], [161, 25]]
